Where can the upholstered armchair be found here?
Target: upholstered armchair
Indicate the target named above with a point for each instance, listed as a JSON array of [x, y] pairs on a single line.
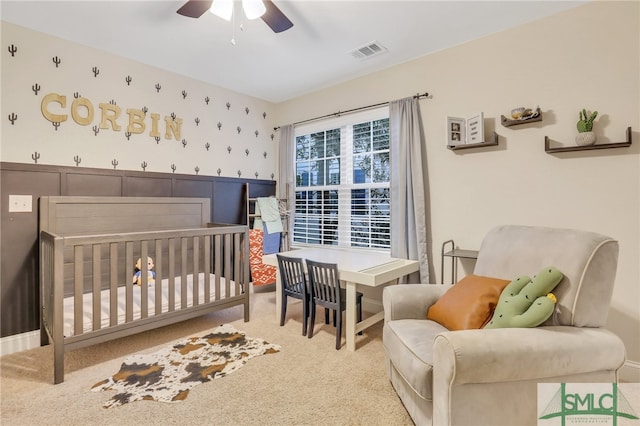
[[490, 376]]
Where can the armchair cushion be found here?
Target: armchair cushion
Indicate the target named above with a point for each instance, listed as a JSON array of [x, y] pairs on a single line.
[[409, 345], [510, 354], [469, 304]]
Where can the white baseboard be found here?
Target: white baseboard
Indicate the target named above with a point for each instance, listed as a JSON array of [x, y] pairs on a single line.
[[19, 342], [630, 372]]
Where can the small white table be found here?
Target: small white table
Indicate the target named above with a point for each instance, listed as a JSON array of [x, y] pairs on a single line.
[[355, 268]]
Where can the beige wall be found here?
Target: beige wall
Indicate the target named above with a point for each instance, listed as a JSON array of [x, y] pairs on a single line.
[[32, 133], [584, 58]]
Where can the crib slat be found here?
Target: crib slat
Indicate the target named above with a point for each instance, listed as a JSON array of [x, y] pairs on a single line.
[[78, 283], [172, 274], [218, 264], [196, 271], [183, 272], [97, 275], [113, 284], [227, 264], [128, 300], [144, 279], [158, 285], [207, 269]]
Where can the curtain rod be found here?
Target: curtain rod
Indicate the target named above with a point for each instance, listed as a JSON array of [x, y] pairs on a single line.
[[339, 113]]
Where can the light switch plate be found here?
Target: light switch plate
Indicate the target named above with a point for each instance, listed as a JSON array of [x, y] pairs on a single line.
[[20, 203]]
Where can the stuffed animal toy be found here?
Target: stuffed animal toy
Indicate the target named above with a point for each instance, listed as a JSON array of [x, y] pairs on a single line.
[[525, 302], [151, 275]]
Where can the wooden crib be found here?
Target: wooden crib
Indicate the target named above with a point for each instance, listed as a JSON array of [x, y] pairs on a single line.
[[89, 248]]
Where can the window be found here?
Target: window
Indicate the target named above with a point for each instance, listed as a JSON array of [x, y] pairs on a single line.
[[342, 182]]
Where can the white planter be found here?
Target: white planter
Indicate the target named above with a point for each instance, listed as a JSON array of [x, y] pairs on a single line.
[[585, 138]]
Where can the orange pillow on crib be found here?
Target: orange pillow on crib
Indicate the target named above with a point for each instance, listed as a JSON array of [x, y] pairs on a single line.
[[469, 304]]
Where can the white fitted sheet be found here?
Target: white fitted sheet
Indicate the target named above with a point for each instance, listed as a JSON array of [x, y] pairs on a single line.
[[87, 305]]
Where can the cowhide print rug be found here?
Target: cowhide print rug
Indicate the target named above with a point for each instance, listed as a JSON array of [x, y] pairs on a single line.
[[169, 374]]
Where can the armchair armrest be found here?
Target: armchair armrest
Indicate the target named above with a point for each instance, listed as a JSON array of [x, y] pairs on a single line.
[[406, 301], [518, 354]]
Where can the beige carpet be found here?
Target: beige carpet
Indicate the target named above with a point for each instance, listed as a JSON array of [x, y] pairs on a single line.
[[307, 383]]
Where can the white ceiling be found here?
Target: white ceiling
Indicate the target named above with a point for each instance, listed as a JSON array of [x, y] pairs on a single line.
[[314, 54]]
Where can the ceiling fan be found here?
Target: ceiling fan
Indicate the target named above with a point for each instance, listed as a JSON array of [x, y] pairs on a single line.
[[273, 16]]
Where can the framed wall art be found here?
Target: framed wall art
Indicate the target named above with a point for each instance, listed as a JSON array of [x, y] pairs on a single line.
[[465, 131], [456, 131], [475, 129]]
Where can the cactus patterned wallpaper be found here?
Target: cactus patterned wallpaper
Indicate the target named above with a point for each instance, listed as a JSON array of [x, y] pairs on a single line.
[[68, 104]]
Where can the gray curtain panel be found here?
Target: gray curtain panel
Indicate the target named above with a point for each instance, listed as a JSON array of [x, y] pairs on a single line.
[[407, 181], [286, 172]]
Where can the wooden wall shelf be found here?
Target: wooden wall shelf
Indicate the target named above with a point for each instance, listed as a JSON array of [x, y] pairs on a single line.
[[507, 122], [492, 142], [624, 144]]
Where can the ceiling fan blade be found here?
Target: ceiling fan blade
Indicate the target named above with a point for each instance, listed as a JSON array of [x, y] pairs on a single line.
[[274, 18], [195, 8]]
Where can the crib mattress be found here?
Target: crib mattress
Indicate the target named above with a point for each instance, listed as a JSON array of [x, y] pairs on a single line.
[[105, 302]]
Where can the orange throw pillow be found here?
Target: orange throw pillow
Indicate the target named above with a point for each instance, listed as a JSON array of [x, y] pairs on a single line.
[[469, 304]]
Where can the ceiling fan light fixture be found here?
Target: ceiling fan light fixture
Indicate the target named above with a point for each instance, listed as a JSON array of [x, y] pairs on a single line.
[[267, 10], [222, 8], [253, 9]]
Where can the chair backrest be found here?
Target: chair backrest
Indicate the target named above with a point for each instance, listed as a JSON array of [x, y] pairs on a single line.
[[588, 261], [292, 275], [324, 283]]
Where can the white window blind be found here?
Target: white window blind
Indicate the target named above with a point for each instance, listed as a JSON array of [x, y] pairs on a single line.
[[342, 182]]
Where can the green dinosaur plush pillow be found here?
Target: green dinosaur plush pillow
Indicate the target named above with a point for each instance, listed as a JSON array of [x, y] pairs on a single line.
[[469, 304], [527, 302]]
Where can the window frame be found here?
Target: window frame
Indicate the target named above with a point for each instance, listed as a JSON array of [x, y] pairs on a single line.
[[345, 124]]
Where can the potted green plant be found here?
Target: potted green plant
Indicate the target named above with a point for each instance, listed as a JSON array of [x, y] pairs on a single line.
[[585, 128]]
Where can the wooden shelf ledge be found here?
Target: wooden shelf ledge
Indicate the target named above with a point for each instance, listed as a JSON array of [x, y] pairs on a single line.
[[551, 150], [507, 122], [492, 142]]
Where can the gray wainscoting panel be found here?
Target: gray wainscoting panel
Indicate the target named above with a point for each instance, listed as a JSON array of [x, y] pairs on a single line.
[[193, 188], [234, 195], [94, 184], [148, 186]]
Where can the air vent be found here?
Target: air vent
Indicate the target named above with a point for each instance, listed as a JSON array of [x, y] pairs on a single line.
[[368, 50]]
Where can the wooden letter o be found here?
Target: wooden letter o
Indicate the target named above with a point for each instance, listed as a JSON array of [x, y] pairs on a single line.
[[82, 102]]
